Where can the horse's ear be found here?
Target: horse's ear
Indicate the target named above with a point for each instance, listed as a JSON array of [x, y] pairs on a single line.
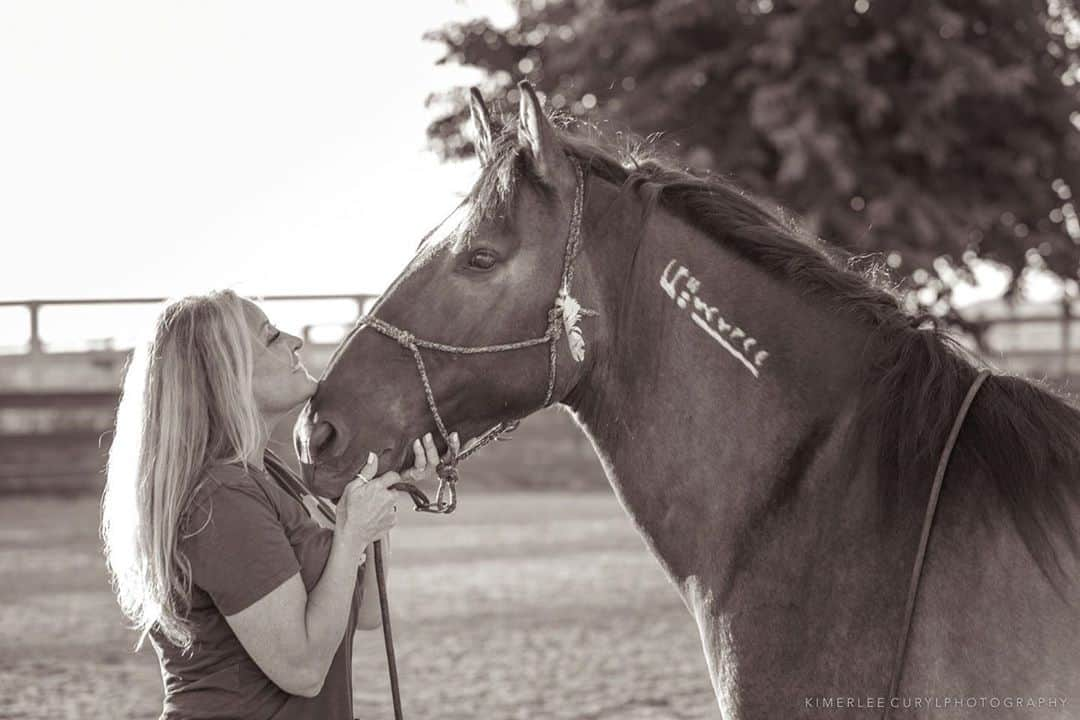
[[536, 132], [481, 122]]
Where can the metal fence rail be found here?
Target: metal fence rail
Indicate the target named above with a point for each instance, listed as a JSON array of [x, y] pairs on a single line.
[[56, 408], [34, 307]]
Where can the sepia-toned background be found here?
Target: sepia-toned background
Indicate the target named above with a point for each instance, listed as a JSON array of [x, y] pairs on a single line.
[[150, 149]]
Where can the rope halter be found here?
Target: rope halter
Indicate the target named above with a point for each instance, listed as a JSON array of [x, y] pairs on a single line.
[[562, 319]]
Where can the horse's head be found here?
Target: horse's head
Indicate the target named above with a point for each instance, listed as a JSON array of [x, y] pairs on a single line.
[[489, 276]]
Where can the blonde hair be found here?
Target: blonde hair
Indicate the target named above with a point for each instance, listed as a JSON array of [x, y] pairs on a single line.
[[187, 402]]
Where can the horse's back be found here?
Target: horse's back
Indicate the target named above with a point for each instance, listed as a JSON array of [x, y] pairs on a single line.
[[994, 633]]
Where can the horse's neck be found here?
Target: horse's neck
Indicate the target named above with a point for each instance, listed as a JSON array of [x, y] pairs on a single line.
[[731, 462]]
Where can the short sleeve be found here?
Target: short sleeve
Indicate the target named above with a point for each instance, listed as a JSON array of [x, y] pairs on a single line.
[[238, 549]]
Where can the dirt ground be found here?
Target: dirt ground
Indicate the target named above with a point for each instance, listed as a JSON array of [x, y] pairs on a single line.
[[521, 605]]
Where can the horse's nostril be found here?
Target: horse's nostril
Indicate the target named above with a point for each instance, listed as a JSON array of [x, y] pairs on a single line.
[[322, 437]]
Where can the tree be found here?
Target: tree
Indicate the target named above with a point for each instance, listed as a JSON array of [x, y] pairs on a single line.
[[918, 129]]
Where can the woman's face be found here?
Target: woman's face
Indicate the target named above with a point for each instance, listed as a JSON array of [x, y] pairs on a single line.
[[280, 381]]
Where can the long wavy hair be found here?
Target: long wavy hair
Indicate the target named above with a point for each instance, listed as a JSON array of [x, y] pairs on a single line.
[[187, 402]]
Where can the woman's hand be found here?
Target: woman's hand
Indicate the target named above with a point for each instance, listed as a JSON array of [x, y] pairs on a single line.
[[366, 509], [426, 459]]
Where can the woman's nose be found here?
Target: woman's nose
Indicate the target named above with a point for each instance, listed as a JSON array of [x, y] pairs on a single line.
[[293, 342]]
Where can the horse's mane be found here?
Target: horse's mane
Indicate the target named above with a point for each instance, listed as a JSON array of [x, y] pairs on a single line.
[[1022, 436]]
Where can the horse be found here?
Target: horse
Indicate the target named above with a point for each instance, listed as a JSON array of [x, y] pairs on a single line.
[[769, 416]]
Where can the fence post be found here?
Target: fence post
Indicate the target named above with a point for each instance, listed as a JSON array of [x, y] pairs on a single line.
[[36, 347], [1066, 326]]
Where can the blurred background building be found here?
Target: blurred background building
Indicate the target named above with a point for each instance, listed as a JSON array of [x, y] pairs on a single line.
[[57, 402]]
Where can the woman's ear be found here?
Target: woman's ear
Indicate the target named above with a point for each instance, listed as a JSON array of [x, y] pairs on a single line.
[[537, 133], [481, 123]]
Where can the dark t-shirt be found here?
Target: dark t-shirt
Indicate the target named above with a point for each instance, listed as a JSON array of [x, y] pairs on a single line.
[[244, 536]]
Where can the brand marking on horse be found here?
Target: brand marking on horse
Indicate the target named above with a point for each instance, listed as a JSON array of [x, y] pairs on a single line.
[[707, 317]]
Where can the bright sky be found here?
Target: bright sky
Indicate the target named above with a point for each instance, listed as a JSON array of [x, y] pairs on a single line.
[[155, 148]]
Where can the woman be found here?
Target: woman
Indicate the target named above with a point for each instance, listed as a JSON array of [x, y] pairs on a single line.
[[249, 604]]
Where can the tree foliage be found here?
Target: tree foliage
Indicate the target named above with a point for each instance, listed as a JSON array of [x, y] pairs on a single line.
[[912, 128]]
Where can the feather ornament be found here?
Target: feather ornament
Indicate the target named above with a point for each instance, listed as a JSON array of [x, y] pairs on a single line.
[[570, 309]]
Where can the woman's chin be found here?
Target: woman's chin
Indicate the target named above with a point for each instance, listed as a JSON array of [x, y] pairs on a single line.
[[301, 388], [304, 384]]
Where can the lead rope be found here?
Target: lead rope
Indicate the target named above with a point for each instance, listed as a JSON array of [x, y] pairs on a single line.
[[924, 540], [302, 494], [388, 633], [286, 480]]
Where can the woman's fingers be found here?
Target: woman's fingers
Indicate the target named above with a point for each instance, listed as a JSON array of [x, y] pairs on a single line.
[[430, 450], [390, 519], [370, 469], [387, 479], [419, 458]]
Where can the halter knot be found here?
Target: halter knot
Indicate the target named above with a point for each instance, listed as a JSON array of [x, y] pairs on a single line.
[[555, 323], [404, 337]]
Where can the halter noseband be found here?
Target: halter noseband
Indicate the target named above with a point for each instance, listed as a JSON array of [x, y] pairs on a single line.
[[562, 319]]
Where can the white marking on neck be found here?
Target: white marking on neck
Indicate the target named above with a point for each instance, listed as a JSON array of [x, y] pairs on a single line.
[[669, 285], [707, 317], [700, 322]]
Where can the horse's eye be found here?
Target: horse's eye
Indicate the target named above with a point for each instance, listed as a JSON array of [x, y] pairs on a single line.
[[482, 260]]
